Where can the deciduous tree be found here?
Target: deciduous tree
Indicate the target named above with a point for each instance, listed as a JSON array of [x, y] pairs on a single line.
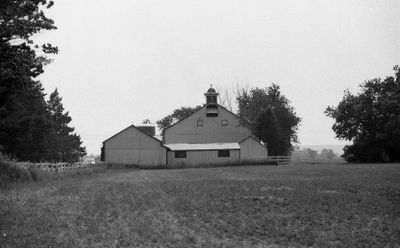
[[327, 154], [270, 117], [371, 119]]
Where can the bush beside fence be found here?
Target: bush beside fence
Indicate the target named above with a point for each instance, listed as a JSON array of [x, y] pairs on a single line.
[[11, 171]]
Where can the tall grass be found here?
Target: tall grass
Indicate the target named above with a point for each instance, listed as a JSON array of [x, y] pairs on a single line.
[[17, 172], [14, 172], [242, 206]]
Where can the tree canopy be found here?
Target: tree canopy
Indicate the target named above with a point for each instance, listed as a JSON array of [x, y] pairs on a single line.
[[27, 123], [270, 117], [371, 119]]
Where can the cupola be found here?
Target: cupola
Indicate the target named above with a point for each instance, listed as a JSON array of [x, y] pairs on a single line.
[[211, 95], [211, 102]]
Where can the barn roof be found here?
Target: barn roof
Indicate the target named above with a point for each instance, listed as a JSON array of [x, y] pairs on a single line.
[[251, 137], [202, 147], [133, 126]]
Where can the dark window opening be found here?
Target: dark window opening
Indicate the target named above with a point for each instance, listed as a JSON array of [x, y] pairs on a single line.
[[180, 154], [212, 111], [223, 153], [211, 99]]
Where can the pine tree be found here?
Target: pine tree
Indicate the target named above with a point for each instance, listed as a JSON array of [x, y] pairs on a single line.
[[24, 120], [24, 123], [63, 144]]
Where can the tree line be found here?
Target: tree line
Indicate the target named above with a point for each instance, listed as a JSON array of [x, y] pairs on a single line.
[[32, 128], [370, 119]]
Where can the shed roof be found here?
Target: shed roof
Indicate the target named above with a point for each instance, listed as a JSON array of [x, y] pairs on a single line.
[[204, 147], [252, 137], [133, 126]]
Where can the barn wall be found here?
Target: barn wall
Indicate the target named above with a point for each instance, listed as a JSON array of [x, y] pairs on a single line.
[[197, 158], [131, 146], [212, 130], [252, 151], [143, 157]]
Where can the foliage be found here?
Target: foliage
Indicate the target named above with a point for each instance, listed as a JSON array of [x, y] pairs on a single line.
[[255, 206], [312, 154], [328, 154], [23, 121], [26, 124], [19, 21], [177, 115], [308, 155], [64, 145], [14, 172], [371, 119], [271, 118]]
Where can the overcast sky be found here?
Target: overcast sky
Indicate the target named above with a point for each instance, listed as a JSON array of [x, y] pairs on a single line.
[[124, 61]]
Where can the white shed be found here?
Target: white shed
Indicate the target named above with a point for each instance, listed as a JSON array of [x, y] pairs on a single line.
[[134, 147], [252, 151]]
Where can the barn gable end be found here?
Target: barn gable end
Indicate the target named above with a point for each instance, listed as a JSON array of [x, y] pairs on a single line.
[[200, 128], [132, 146], [252, 151]]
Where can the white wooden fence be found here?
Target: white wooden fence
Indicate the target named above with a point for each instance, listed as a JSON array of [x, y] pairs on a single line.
[[279, 159], [57, 167]]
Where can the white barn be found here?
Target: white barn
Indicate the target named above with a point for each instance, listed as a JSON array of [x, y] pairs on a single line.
[[210, 136]]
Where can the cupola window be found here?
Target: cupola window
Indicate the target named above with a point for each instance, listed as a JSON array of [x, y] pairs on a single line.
[[211, 96]]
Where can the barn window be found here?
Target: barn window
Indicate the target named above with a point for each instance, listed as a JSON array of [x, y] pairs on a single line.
[[199, 122], [224, 122], [223, 153], [180, 154]]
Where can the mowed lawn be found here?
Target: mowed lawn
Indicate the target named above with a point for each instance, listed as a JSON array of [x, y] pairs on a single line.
[[247, 206]]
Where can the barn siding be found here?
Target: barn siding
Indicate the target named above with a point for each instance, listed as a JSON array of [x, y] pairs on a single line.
[[198, 158], [132, 146], [252, 151], [212, 131]]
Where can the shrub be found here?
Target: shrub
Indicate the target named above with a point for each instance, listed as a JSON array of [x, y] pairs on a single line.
[[15, 172]]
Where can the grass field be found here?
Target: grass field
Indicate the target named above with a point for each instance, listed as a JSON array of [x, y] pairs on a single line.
[[253, 206]]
